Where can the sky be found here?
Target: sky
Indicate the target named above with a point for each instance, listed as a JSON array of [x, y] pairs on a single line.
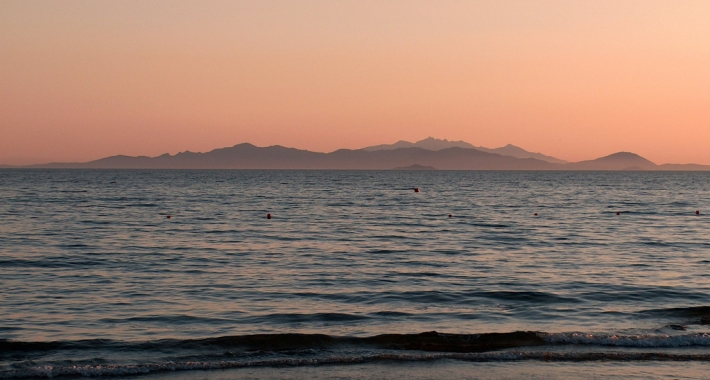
[[81, 80]]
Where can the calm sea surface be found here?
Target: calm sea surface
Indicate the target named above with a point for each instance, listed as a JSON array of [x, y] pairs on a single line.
[[96, 279]]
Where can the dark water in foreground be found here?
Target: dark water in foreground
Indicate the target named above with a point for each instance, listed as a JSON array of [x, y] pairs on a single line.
[[353, 268]]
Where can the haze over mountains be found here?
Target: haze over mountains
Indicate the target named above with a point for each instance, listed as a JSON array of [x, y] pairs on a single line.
[[427, 154], [431, 143]]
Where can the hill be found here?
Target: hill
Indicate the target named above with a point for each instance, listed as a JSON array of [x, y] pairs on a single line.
[[616, 161]]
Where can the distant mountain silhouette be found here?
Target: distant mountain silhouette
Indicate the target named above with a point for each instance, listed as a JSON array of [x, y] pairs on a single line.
[[616, 161], [248, 156], [431, 143], [514, 151], [241, 156], [428, 143], [416, 167]]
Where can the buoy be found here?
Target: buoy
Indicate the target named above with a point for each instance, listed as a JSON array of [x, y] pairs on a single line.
[[618, 213], [450, 215], [416, 189], [535, 214], [168, 217], [268, 216], [697, 212]]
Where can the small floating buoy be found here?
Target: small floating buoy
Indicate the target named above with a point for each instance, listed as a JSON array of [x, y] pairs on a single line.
[[168, 217], [450, 215], [535, 214], [268, 216], [618, 213], [697, 212], [416, 189]]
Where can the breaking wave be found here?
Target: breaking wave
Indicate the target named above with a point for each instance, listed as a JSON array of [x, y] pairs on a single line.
[[40, 359]]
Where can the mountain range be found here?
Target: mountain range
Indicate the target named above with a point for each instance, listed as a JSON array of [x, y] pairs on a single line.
[[431, 143], [427, 154]]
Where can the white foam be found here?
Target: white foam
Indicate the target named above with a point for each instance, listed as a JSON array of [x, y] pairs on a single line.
[[496, 356], [644, 341]]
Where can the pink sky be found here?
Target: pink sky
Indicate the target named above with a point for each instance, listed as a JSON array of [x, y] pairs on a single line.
[[81, 80]]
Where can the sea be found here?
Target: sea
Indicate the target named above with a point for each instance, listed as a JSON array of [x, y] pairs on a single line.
[[260, 274]]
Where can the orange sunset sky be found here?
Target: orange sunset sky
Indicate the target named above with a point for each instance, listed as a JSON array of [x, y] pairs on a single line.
[[81, 80]]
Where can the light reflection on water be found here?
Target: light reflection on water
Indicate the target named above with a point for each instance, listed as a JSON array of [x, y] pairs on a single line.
[[91, 254]]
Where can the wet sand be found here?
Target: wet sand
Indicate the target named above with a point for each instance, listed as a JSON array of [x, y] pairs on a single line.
[[453, 369]]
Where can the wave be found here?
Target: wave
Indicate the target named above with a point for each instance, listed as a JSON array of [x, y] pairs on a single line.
[[702, 312], [101, 357], [49, 371], [431, 341], [637, 341], [427, 341]]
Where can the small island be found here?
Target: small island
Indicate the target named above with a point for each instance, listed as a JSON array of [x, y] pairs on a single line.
[[415, 167]]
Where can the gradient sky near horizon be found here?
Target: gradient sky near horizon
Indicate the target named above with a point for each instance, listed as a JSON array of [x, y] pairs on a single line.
[[81, 80]]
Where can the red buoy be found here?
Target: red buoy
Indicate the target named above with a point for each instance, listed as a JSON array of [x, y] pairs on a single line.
[[168, 217], [697, 212], [450, 215], [268, 216], [618, 213], [535, 214], [416, 189]]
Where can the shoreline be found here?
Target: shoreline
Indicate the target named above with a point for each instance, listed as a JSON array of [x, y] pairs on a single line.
[[455, 369]]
